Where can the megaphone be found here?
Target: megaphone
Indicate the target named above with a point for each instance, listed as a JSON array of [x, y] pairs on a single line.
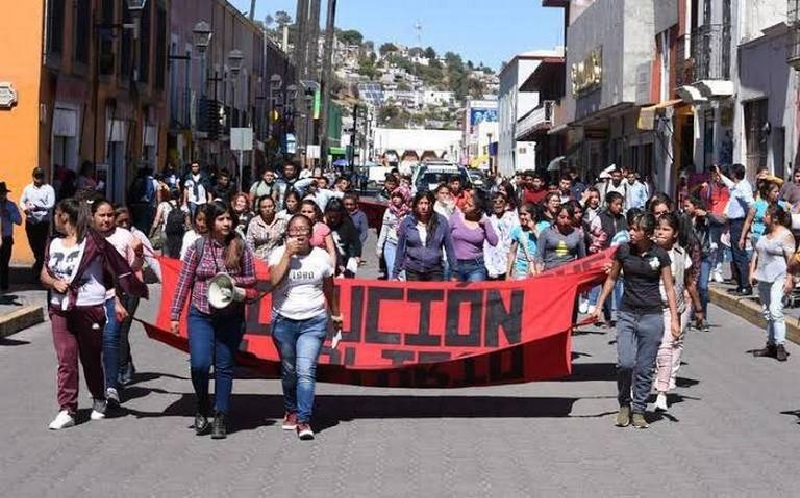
[[222, 291]]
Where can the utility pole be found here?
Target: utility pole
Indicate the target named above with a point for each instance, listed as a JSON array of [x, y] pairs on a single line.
[[325, 81], [300, 52], [252, 9]]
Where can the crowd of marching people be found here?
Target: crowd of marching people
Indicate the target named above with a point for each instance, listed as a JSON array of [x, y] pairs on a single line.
[[309, 229]]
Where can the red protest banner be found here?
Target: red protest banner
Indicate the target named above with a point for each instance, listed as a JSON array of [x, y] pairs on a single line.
[[419, 335]]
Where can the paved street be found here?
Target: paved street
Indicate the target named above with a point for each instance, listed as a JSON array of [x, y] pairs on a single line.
[[733, 430]]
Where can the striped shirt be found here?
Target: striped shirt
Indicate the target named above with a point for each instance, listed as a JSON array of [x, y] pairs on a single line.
[[196, 272]]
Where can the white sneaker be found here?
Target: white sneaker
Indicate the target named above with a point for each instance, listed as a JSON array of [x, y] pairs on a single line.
[[112, 396], [583, 307], [62, 420], [99, 409], [661, 402], [718, 277]]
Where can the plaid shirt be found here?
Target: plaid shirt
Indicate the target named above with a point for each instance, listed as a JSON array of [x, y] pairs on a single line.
[[197, 272]]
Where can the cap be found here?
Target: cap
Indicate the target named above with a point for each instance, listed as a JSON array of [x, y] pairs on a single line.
[[37, 171]]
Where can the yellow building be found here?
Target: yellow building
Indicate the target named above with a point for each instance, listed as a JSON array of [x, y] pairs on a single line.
[[90, 79]]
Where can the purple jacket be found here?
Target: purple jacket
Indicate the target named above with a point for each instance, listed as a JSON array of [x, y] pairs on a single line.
[[116, 270], [412, 255]]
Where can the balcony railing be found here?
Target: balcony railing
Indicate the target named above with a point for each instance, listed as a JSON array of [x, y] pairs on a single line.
[[793, 38], [711, 50], [539, 118]]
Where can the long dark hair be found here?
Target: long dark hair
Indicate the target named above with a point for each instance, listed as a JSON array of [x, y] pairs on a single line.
[[777, 213], [432, 221], [292, 193], [76, 212], [234, 245]]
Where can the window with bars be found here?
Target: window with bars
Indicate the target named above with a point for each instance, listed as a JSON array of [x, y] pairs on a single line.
[[161, 48], [144, 45], [126, 52], [106, 42], [83, 31]]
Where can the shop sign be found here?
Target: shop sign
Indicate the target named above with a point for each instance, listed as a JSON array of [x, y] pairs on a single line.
[[8, 95], [587, 74]]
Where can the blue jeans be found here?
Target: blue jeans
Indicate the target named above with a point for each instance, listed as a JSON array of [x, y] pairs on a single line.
[[638, 337], [299, 343], [702, 283], [470, 270], [611, 306], [389, 253], [741, 262], [771, 296], [214, 339], [111, 340], [715, 237]]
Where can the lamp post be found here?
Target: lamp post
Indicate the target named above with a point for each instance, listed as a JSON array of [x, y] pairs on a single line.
[[202, 39], [235, 58], [275, 83], [489, 150]]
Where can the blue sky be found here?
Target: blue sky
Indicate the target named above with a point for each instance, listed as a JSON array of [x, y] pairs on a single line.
[[479, 30]]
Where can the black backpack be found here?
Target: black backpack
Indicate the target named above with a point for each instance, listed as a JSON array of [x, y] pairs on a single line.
[[176, 222]]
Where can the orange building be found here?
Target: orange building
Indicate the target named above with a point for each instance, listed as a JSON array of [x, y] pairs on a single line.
[[90, 79]]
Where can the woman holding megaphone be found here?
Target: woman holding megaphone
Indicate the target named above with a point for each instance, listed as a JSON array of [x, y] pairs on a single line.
[[302, 276], [214, 333]]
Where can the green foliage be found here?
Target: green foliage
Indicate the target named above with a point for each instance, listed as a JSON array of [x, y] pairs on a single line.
[[351, 37], [387, 48]]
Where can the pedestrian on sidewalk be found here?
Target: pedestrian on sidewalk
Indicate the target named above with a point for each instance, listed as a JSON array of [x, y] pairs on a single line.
[[640, 329], [37, 202], [740, 203], [9, 216], [773, 255], [303, 279], [214, 334], [79, 269]]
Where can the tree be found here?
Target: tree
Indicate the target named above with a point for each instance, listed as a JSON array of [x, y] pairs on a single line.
[[387, 48], [470, 65], [282, 19], [416, 52], [351, 37], [430, 53]]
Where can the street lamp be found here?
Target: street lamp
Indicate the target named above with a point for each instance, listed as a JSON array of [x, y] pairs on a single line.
[[235, 60], [136, 7], [202, 36]]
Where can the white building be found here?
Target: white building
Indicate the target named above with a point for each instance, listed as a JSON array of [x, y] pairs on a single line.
[[439, 98], [514, 104], [408, 143]]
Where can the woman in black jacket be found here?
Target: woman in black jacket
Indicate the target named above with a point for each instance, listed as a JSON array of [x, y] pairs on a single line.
[[346, 238]]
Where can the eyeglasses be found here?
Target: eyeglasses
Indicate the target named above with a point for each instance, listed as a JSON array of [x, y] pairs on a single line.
[[300, 231]]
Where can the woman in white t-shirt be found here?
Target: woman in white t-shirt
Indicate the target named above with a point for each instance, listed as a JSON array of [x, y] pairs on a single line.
[[198, 230], [79, 268], [303, 279]]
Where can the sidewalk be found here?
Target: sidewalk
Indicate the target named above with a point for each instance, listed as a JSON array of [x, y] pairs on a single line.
[[749, 309], [23, 304]]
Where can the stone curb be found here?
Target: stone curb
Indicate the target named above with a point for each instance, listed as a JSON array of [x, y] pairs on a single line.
[[748, 309], [18, 320]]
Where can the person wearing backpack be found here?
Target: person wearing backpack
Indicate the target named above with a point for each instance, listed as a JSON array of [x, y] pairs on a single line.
[[264, 186], [142, 199], [174, 228]]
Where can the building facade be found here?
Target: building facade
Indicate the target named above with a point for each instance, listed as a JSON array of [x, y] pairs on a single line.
[[512, 105]]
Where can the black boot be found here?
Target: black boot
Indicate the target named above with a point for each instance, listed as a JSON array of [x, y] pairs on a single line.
[[768, 352], [201, 424], [218, 430], [780, 353]]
